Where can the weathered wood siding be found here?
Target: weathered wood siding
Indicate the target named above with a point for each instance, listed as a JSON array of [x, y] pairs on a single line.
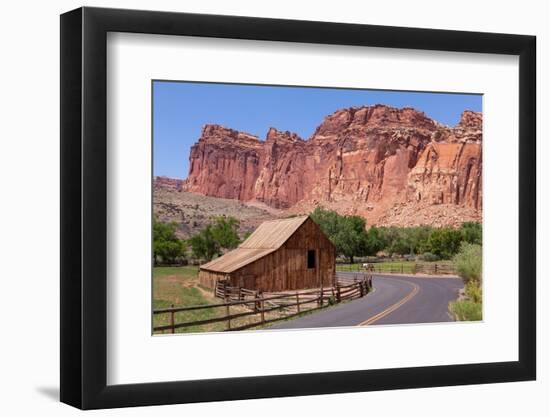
[[208, 279], [286, 268]]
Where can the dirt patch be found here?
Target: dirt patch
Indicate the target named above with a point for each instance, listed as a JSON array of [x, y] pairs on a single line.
[[171, 278]]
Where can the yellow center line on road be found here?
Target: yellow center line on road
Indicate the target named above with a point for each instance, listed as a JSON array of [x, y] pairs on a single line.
[[393, 307]]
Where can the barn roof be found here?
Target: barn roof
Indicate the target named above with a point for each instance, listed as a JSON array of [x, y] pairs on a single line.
[[267, 238]]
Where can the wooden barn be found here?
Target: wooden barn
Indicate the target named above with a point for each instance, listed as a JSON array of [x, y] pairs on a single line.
[[280, 255]]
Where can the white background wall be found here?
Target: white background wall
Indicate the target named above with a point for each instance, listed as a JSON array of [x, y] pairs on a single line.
[[29, 220]]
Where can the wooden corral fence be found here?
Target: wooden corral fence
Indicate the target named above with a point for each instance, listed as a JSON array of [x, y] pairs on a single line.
[[435, 269], [228, 293], [402, 268], [258, 305]]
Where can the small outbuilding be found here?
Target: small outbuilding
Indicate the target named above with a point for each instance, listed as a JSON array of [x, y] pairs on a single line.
[[287, 254]]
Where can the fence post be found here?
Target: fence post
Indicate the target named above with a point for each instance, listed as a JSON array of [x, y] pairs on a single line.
[[321, 298], [228, 317], [414, 269], [338, 299], [297, 302], [262, 314], [172, 319], [401, 267], [435, 268]]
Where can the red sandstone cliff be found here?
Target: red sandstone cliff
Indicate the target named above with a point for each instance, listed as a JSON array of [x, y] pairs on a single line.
[[224, 163], [383, 163]]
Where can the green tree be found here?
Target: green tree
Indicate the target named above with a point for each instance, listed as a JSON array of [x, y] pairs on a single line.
[[419, 239], [328, 220], [395, 240], [222, 233], [472, 232], [225, 232], [402, 243], [167, 248], [346, 232], [445, 242], [204, 245], [351, 239], [375, 242]]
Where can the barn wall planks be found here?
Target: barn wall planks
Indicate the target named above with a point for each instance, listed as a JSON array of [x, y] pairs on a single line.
[[208, 279], [286, 268]]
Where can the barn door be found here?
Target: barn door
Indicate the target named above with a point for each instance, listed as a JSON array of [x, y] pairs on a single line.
[[319, 276], [312, 260]]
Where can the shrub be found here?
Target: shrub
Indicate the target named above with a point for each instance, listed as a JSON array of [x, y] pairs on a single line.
[[468, 265], [473, 291], [466, 310], [468, 262], [428, 257]]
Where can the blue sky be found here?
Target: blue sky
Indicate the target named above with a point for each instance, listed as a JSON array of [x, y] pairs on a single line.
[[180, 109]]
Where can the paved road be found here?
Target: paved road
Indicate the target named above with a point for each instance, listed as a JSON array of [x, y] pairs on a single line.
[[396, 300]]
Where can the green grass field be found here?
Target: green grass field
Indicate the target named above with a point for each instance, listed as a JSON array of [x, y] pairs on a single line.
[[180, 286]]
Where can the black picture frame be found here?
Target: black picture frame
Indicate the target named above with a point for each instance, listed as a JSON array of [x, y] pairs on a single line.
[[84, 207]]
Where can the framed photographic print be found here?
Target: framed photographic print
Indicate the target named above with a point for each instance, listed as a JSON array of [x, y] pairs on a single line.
[[257, 208]]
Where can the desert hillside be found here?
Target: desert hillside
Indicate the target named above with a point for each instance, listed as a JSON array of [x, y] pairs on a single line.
[[192, 212]]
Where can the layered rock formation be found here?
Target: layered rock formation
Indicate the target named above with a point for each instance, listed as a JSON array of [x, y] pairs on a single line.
[[224, 163], [375, 161], [167, 183]]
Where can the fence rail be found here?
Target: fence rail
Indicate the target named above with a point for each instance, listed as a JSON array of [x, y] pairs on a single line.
[[267, 308], [402, 268]]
